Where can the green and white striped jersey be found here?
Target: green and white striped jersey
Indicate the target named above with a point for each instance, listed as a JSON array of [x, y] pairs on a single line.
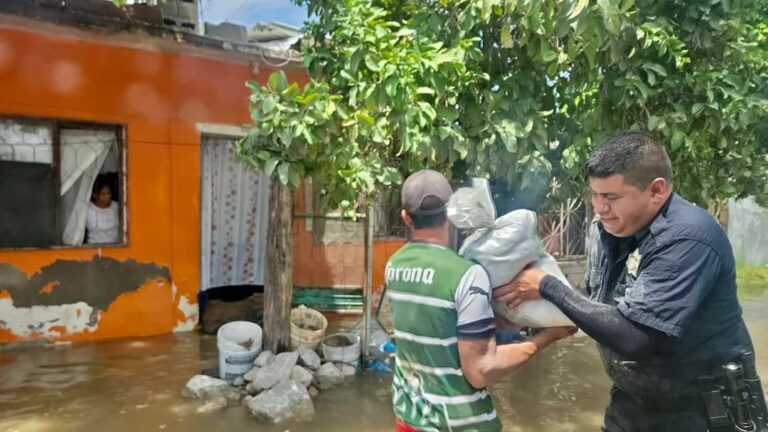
[[438, 297]]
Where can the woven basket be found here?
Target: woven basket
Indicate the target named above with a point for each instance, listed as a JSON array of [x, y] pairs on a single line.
[[307, 327]]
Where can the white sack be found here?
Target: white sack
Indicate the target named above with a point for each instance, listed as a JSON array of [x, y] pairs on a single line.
[[504, 247]]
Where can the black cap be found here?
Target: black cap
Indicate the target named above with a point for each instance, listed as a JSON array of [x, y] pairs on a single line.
[[426, 193]]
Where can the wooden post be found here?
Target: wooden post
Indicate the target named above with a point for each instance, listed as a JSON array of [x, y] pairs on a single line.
[[368, 285], [278, 288]]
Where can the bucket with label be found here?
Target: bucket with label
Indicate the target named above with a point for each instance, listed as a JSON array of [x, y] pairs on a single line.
[[239, 343]]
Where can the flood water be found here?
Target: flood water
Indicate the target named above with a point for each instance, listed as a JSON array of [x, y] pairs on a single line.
[[135, 385]]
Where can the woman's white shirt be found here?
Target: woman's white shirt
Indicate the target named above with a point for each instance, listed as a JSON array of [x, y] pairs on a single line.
[[102, 223]]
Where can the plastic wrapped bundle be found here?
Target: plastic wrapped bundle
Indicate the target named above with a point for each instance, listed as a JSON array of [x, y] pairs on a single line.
[[505, 246]]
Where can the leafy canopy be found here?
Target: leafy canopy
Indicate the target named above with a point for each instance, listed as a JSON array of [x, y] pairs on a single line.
[[518, 91]]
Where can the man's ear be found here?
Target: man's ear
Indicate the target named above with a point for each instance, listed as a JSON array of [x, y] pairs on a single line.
[[406, 218], [660, 190]]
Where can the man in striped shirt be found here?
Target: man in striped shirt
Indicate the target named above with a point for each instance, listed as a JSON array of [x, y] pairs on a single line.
[[444, 325]]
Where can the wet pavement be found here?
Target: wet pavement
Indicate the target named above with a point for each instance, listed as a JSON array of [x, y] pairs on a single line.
[[135, 385]]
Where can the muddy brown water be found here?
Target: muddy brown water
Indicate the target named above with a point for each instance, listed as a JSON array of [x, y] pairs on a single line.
[[135, 385]]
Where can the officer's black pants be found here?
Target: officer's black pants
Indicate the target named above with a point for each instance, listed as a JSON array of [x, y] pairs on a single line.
[[629, 413]]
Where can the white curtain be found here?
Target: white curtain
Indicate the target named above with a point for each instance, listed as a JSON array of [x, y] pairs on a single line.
[[23, 141], [234, 218], [83, 152]]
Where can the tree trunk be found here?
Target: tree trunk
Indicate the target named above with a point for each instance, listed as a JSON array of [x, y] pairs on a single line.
[[279, 284]]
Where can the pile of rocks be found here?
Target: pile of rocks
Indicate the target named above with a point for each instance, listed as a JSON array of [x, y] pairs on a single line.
[[277, 388]]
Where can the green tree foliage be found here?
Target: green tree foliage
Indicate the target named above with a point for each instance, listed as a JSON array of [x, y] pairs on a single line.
[[518, 91], [696, 73]]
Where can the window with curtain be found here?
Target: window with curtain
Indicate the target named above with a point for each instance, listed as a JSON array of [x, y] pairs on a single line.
[[61, 184]]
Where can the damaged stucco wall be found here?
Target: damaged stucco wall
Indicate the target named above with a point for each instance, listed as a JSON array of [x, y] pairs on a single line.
[[69, 299], [190, 314], [99, 280]]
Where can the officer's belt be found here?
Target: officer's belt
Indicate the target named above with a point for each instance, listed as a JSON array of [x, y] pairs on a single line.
[[672, 404]]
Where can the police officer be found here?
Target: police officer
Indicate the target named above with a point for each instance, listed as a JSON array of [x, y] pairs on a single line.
[[661, 291]]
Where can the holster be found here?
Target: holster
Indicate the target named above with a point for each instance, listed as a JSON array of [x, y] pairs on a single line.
[[734, 398]]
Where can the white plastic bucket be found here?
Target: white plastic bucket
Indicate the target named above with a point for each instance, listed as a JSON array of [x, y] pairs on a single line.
[[239, 343], [348, 352]]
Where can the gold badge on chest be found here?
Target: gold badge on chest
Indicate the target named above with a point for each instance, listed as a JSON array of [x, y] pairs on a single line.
[[633, 263]]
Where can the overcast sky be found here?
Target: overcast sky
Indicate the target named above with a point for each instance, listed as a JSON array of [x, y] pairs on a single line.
[[249, 12]]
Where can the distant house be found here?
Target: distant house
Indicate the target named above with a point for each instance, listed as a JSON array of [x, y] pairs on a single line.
[[275, 35], [91, 94], [748, 231]]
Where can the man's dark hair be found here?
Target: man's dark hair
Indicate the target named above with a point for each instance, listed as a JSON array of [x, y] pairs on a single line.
[[639, 156], [428, 221]]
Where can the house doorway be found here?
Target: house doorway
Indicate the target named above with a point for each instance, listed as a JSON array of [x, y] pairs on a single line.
[[234, 211]]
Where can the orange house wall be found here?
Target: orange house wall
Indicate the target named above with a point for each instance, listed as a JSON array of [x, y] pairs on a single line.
[[335, 264], [159, 97]]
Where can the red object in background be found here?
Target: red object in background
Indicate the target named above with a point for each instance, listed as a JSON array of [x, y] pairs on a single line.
[[402, 427]]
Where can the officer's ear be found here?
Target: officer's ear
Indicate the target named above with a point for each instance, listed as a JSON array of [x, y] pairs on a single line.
[[660, 189]]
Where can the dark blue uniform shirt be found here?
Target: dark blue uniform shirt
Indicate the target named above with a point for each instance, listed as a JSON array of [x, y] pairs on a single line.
[[677, 276]]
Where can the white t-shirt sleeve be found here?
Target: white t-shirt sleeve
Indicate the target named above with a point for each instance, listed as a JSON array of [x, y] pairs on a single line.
[[473, 305]]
